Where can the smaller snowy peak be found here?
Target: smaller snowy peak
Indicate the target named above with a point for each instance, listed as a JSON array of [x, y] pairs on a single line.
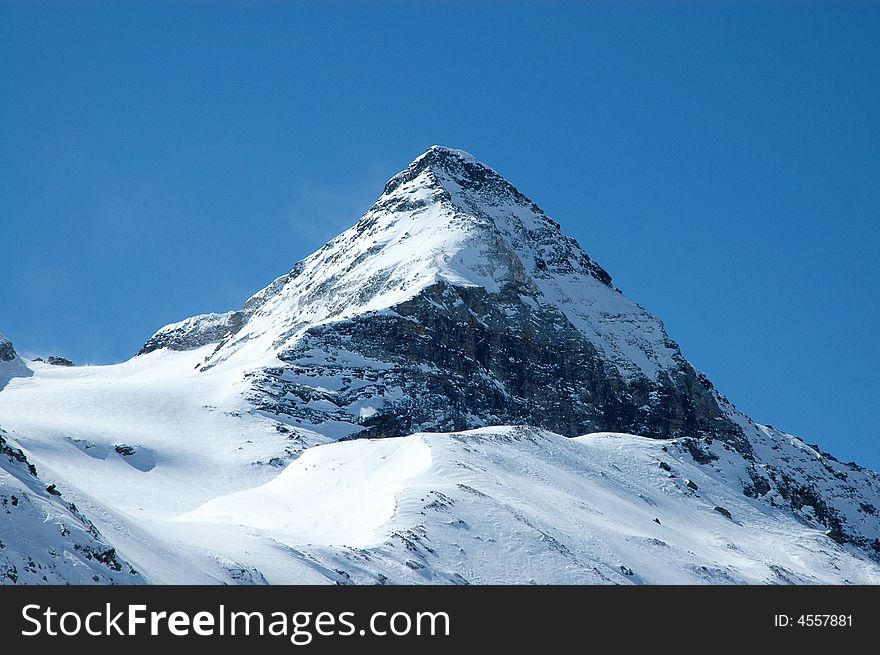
[[55, 360], [11, 365], [7, 352], [194, 332]]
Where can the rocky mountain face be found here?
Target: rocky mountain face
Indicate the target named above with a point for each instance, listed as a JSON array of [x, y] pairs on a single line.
[[7, 352], [454, 303], [194, 332]]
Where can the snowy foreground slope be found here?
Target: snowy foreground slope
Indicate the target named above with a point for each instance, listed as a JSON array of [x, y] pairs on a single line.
[[516, 504], [44, 539], [339, 426]]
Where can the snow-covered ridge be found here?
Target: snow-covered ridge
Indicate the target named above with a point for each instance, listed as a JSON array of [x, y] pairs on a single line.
[[324, 498]]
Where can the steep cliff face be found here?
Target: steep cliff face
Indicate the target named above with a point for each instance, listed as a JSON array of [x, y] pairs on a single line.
[[456, 358], [7, 352]]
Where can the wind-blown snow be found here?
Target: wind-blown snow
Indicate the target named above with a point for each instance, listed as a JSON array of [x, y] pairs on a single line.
[[322, 499]]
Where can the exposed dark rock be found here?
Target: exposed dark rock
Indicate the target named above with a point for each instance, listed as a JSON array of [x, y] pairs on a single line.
[[801, 495], [699, 455], [760, 486], [15, 455], [472, 358], [106, 556], [723, 511], [195, 332], [7, 352], [58, 361]]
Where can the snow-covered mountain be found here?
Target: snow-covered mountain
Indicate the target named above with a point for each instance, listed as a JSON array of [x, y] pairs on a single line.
[[454, 309], [506, 319]]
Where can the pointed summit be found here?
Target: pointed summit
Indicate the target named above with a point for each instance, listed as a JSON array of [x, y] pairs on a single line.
[[443, 162], [455, 302], [446, 219], [458, 178]]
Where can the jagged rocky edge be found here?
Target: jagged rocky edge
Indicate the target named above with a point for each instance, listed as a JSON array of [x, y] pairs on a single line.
[[7, 352]]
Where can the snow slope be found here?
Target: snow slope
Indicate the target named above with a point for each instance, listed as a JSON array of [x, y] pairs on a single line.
[[136, 444], [502, 505], [201, 503], [43, 538]]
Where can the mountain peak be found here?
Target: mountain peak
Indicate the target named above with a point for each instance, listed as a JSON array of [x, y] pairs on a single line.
[[445, 151], [436, 161], [459, 176], [454, 161], [447, 220]]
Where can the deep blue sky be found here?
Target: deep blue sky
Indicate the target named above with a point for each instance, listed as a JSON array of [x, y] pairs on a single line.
[[721, 160]]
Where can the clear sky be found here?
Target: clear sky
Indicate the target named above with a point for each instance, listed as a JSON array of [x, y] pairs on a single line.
[[720, 159]]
